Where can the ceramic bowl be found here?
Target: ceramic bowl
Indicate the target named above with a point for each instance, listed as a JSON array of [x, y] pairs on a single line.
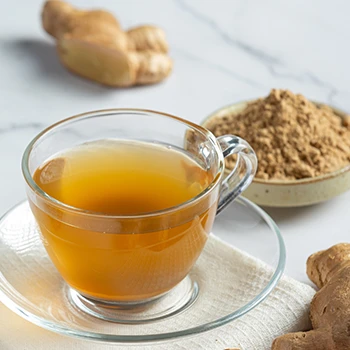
[[291, 193]]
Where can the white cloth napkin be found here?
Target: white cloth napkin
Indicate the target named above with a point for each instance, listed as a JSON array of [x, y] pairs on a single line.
[[285, 310]]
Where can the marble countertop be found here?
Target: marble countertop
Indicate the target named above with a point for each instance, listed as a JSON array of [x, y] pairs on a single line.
[[224, 51]]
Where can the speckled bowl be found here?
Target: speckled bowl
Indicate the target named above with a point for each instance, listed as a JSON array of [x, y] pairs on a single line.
[[293, 193]]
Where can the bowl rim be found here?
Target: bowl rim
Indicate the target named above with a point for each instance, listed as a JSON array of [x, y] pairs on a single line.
[[305, 181]]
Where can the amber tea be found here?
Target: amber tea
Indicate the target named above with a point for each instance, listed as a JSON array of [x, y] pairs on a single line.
[[122, 180]]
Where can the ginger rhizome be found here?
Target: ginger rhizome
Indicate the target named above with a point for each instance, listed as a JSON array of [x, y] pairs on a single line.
[[93, 45], [330, 307]]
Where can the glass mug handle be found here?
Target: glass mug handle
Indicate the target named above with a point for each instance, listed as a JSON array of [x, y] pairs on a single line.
[[242, 174]]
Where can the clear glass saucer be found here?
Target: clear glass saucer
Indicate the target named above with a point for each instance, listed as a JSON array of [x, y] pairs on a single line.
[[31, 286]]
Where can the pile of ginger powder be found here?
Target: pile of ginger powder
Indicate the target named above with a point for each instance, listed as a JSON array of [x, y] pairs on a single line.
[[292, 137]]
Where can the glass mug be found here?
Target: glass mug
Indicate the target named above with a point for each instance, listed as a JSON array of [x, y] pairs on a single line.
[[121, 260]]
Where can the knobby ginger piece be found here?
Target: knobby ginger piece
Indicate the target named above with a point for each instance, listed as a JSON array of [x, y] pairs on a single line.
[[330, 307], [93, 45]]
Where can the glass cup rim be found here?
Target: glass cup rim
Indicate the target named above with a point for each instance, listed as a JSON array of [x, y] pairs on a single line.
[[105, 112]]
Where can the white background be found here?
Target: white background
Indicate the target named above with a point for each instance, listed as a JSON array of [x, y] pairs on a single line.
[[224, 51]]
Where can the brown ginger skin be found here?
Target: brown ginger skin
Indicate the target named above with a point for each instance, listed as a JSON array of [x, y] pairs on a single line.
[[330, 307], [93, 45], [147, 38]]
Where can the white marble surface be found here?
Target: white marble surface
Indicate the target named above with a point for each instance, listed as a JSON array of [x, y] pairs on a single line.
[[224, 51]]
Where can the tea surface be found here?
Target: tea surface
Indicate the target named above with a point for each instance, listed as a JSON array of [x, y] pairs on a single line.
[[122, 178]]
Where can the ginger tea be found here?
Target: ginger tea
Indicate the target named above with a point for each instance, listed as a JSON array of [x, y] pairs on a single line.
[[121, 246]]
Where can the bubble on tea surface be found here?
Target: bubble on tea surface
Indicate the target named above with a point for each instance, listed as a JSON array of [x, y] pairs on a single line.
[[52, 170]]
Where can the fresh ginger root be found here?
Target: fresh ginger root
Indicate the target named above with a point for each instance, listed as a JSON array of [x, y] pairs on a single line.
[[330, 307], [93, 45]]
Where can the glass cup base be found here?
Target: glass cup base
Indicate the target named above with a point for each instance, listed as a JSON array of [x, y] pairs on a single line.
[[169, 304]]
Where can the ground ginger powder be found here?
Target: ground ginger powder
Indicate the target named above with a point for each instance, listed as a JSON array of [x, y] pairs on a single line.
[[292, 137]]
